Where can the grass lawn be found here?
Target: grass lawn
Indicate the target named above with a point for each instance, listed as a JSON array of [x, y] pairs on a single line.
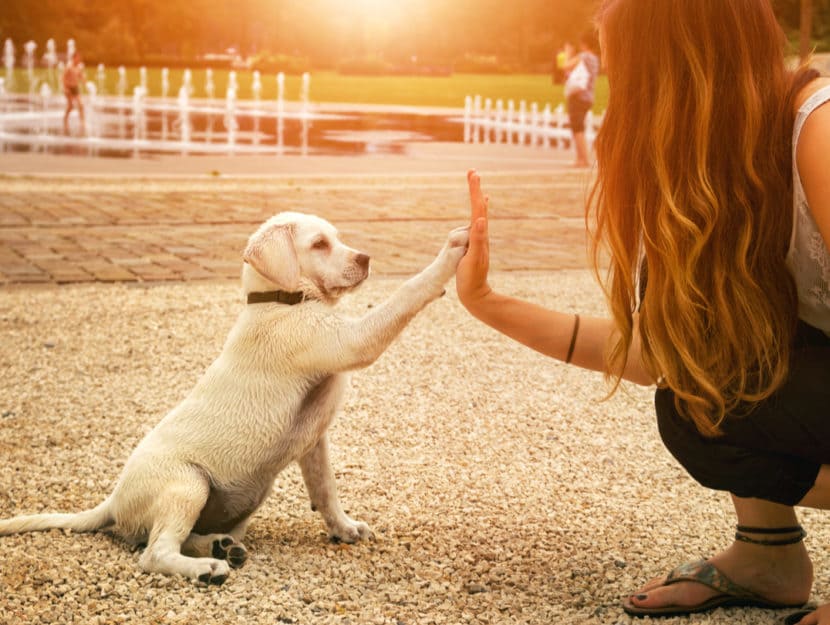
[[332, 87]]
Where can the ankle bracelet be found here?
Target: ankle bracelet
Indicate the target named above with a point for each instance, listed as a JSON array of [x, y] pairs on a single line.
[[742, 530]]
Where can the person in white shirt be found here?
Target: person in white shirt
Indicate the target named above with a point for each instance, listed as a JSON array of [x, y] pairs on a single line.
[[582, 70]]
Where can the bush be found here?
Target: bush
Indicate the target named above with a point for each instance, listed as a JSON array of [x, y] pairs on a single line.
[[483, 64], [364, 66], [268, 63]]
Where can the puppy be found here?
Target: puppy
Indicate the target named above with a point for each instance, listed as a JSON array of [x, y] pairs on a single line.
[[191, 485]]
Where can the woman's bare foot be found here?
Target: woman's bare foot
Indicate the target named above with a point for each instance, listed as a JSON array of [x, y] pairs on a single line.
[[781, 574]]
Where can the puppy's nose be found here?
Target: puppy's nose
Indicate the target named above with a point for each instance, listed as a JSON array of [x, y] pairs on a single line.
[[362, 261]]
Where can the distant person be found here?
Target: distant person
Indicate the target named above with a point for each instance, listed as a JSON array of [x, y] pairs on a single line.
[[71, 80], [582, 70]]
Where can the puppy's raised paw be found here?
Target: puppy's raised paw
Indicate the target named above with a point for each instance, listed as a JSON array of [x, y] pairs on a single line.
[[460, 237]]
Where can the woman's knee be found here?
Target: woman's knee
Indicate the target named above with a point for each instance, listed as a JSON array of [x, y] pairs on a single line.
[[727, 465]]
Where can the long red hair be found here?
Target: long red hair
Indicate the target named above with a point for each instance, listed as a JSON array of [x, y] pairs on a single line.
[[695, 181]]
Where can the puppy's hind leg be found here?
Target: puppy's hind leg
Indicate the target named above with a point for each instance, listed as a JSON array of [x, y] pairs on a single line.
[[322, 490], [177, 509], [220, 546]]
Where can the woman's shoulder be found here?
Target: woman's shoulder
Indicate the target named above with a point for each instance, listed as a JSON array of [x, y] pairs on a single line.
[[809, 89]]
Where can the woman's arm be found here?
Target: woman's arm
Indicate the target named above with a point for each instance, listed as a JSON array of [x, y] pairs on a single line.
[[813, 159], [548, 332], [572, 61]]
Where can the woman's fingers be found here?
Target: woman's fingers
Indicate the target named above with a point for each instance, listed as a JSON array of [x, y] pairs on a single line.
[[479, 243], [478, 203]]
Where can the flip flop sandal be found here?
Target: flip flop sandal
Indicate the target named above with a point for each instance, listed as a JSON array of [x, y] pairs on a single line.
[[702, 572], [795, 617]]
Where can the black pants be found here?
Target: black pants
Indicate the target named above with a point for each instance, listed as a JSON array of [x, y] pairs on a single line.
[[773, 453]]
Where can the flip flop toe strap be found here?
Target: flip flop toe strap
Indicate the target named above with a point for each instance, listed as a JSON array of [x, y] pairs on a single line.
[[703, 572]]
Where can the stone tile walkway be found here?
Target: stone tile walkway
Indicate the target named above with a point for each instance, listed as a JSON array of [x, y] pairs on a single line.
[[65, 229]]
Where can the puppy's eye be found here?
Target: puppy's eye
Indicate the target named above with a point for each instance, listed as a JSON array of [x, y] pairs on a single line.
[[320, 244]]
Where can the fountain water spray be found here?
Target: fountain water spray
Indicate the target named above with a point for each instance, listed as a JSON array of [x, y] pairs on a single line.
[[51, 58], [280, 110], [101, 77], [230, 111], [304, 111], [29, 47], [165, 89], [184, 116], [121, 89], [8, 61], [209, 90], [256, 90]]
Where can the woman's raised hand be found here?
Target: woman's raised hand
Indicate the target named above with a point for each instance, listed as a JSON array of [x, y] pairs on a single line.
[[471, 276]]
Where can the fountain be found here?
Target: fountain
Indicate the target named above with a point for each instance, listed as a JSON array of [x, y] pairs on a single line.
[[139, 119], [477, 117], [29, 48], [121, 89], [304, 112], [499, 121], [546, 122], [209, 90], [2, 110], [118, 124], [51, 59], [256, 90], [101, 77], [280, 111], [184, 115], [231, 124], [165, 89], [209, 86], [8, 61], [91, 122], [45, 97], [468, 119], [522, 122], [488, 106], [121, 85], [535, 136]]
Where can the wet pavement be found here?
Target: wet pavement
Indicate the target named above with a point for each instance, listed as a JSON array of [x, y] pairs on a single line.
[[73, 219]]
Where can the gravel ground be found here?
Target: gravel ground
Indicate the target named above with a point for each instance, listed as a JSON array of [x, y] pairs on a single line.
[[499, 485]]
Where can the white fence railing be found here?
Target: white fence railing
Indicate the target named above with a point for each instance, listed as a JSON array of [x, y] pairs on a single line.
[[489, 122]]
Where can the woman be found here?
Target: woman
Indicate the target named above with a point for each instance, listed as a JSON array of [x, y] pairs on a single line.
[[719, 290]]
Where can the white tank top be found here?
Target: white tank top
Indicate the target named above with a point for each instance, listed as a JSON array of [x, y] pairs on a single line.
[[808, 257]]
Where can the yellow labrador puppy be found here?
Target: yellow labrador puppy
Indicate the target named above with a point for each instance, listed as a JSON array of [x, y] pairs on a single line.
[[191, 485]]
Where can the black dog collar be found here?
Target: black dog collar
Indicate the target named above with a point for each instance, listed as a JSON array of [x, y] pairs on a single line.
[[277, 297]]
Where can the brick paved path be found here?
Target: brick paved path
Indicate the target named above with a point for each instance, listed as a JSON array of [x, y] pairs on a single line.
[[65, 231]]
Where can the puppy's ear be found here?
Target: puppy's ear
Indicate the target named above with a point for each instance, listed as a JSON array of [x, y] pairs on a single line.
[[272, 254]]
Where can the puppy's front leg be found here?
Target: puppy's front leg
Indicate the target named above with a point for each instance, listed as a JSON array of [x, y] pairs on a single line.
[[364, 339], [322, 490]]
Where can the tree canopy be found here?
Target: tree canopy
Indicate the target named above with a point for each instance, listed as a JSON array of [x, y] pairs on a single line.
[[522, 34]]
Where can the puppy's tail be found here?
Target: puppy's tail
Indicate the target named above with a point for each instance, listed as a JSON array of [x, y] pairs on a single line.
[[85, 521]]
